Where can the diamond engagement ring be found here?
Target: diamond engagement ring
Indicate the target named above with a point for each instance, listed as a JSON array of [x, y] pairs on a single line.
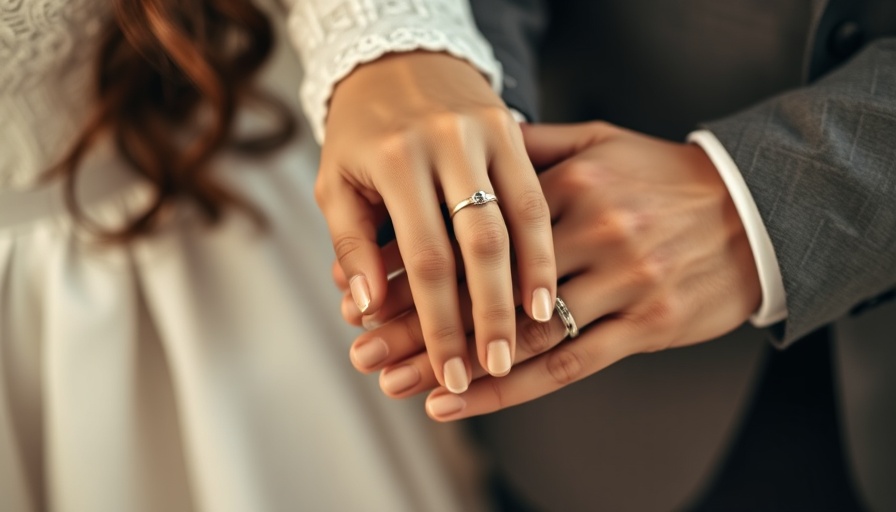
[[478, 199], [572, 330]]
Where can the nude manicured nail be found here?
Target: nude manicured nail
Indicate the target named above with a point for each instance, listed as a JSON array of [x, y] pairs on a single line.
[[360, 292], [445, 405], [455, 372], [498, 358], [399, 379], [370, 353], [542, 307]]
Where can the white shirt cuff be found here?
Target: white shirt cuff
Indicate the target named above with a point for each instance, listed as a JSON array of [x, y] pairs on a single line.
[[774, 307]]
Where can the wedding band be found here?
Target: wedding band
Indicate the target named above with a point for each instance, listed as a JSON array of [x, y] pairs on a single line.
[[572, 330], [478, 199]]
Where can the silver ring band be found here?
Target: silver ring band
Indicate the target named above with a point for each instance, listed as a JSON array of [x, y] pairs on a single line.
[[478, 199], [572, 330]]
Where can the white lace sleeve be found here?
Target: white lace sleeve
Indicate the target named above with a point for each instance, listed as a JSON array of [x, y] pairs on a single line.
[[335, 36]]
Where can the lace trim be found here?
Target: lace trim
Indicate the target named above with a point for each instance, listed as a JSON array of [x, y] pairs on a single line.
[[364, 30], [318, 87], [46, 47]]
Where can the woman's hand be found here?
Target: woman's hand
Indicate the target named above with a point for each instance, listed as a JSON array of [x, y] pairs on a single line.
[[404, 134], [652, 253]]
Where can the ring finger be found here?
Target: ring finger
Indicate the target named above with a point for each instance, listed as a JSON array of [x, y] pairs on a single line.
[[485, 248]]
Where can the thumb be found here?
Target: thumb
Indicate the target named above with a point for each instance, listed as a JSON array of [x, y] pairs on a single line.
[[550, 144]]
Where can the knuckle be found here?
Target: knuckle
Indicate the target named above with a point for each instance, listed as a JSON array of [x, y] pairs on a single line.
[[542, 262], [663, 314], [495, 315], [565, 366], [649, 272], [347, 245], [443, 335], [626, 227], [430, 261], [579, 175], [496, 115], [445, 124], [657, 314], [536, 337], [396, 149], [533, 208], [634, 224], [488, 240], [661, 318]]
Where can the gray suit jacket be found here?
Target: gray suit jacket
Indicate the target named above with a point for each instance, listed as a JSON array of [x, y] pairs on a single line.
[[802, 93]]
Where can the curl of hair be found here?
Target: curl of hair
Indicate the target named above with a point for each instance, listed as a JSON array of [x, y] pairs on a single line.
[[169, 77]]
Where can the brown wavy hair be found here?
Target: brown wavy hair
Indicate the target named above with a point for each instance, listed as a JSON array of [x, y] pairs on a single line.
[[169, 77]]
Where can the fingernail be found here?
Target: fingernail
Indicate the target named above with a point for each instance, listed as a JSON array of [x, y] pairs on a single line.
[[360, 292], [456, 375], [399, 379], [370, 353], [498, 358], [445, 405], [370, 323], [542, 308]]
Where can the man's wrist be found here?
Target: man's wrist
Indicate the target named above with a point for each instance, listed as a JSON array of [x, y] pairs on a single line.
[[773, 307]]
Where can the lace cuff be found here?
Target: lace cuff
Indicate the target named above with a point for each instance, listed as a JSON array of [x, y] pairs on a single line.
[[334, 37]]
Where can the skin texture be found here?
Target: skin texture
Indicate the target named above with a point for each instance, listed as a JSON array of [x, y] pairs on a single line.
[[404, 134], [651, 253]]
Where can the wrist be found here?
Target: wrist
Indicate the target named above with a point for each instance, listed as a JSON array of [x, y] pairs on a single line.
[[741, 258], [773, 308]]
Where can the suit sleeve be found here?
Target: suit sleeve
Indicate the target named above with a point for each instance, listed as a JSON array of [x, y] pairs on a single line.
[[514, 28], [820, 162]]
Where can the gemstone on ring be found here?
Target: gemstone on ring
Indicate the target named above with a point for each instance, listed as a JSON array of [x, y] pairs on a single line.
[[479, 198]]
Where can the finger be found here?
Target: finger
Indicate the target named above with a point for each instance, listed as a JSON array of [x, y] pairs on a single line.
[[410, 373], [603, 345], [529, 221], [429, 264], [403, 338], [550, 144], [350, 219], [400, 299], [485, 247], [589, 299], [561, 189], [570, 259]]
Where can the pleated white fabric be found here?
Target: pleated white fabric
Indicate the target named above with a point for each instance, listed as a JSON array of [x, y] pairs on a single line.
[[201, 369]]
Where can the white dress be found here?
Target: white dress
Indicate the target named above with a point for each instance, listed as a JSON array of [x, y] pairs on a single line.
[[198, 369]]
